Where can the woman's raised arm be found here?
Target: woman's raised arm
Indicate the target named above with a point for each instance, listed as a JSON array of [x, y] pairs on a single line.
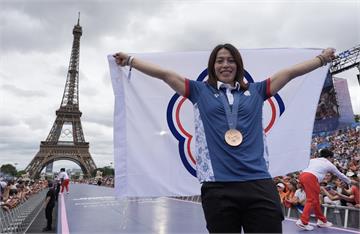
[[281, 78], [174, 80]]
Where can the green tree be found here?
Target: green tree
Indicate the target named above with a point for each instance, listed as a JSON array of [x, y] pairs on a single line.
[[75, 176], [20, 173], [8, 169], [107, 171]]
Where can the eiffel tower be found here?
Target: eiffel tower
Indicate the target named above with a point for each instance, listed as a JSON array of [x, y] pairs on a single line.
[[66, 139]]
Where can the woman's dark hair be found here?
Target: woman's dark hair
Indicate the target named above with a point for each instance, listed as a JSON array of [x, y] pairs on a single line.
[[294, 183], [325, 153], [239, 77]]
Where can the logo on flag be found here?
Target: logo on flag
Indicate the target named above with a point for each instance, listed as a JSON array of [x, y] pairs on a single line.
[[273, 108]]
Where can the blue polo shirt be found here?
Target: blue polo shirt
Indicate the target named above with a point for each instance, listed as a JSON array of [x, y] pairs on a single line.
[[215, 159]]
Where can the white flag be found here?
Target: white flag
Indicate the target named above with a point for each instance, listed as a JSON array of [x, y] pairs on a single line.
[[153, 126]]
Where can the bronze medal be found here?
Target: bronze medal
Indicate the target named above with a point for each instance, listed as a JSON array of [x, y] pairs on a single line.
[[233, 137]]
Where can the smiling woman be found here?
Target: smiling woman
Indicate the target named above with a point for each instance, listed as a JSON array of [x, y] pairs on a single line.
[[229, 137], [225, 67]]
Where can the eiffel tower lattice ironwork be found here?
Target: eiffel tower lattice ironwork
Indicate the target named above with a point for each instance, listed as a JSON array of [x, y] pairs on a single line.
[[66, 139]]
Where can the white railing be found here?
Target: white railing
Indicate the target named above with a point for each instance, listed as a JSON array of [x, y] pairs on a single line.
[[345, 216], [348, 217], [18, 219], [190, 198]]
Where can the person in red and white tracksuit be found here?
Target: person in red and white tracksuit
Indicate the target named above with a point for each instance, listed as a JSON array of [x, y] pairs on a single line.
[[64, 178], [310, 179]]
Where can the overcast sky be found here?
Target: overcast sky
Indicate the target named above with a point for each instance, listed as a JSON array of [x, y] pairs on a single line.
[[36, 40]]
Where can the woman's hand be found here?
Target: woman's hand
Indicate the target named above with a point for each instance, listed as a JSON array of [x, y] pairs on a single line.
[[121, 59], [282, 77], [328, 54], [174, 80]]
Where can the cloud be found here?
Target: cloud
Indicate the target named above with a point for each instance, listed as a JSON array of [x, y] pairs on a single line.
[[8, 121], [43, 25], [178, 25], [104, 119], [19, 92], [36, 122]]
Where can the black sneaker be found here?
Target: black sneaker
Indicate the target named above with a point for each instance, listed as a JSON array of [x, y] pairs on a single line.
[[46, 229]]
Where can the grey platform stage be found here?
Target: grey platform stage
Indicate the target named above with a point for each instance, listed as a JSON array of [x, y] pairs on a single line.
[[94, 209]]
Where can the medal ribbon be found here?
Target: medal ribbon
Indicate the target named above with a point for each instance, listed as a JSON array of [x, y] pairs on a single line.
[[231, 113]]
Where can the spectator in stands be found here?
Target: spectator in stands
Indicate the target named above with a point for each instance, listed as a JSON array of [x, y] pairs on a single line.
[[286, 179], [3, 185], [27, 189], [289, 197], [330, 196], [328, 179], [282, 191], [49, 206], [299, 198], [340, 187], [4, 195], [13, 189], [21, 190], [11, 200], [327, 107], [353, 168], [354, 196], [64, 178], [310, 178]]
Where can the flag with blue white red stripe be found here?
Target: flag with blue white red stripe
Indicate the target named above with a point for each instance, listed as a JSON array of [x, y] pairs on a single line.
[[154, 127]]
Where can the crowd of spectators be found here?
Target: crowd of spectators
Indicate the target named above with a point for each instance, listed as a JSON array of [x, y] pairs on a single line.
[[327, 107], [14, 192], [345, 144], [107, 181]]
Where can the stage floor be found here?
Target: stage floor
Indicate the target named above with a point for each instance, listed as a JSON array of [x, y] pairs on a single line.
[[94, 209]]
